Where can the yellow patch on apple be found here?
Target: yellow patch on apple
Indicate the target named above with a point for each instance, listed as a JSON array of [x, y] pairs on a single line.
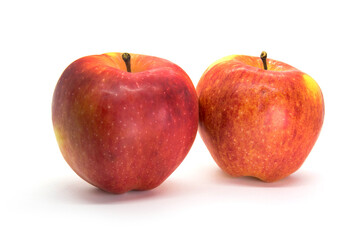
[[59, 137], [311, 85], [112, 54], [224, 59]]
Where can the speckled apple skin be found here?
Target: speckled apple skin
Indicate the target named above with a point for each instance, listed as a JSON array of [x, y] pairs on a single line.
[[123, 131], [256, 122]]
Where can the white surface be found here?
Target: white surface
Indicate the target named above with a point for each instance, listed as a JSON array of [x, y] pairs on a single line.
[[41, 198]]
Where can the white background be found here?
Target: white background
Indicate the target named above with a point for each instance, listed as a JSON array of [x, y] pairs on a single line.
[[42, 198]]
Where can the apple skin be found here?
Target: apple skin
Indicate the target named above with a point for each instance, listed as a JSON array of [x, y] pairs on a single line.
[[256, 122], [120, 130]]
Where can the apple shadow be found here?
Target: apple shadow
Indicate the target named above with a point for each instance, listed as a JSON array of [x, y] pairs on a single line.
[[297, 179], [77, 192]]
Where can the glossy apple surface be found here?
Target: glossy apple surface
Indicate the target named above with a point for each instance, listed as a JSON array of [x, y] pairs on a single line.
[[256, 122], [120, 130]]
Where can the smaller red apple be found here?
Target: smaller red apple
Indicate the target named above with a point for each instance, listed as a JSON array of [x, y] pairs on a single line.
[[259, 117]]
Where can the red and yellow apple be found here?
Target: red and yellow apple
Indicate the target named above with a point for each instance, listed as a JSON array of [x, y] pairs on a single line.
[[124, 121], [258, 117]]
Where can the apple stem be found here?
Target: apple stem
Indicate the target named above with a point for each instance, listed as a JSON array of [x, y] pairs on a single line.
[[263, 57], [126, 57]]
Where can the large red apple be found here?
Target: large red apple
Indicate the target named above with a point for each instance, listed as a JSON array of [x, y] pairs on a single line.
[[257, 122], [124, 126]]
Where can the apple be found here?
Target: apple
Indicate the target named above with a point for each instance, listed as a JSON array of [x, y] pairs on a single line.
[[124, 121], [258, 117]]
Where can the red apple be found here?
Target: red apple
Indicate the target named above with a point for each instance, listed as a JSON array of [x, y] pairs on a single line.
[[257, 122], [124, 126]]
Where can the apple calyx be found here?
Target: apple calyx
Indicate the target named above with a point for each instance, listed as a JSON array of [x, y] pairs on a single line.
[[126, 57], [263, 57]]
